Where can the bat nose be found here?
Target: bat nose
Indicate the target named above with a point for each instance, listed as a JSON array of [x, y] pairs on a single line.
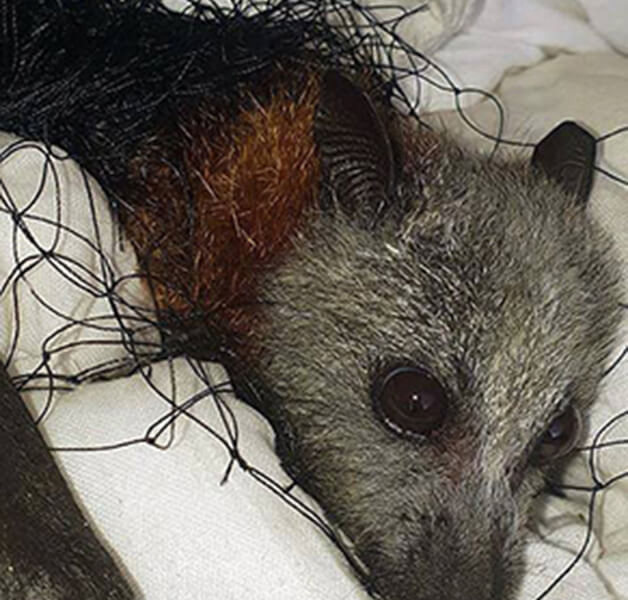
[[469, 563], [466, 550]]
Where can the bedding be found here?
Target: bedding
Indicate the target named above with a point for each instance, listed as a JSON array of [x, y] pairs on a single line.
[[153, 490]]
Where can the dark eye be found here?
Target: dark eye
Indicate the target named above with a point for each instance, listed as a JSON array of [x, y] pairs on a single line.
[[410, 401], [560, 438]]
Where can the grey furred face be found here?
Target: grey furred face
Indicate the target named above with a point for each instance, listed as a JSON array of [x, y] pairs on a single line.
[[488, 276]]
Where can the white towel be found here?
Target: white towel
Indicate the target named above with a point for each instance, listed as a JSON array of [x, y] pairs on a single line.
[[510, 34]]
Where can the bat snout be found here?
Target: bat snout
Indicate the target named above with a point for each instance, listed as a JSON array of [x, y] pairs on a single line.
[[468, 549]]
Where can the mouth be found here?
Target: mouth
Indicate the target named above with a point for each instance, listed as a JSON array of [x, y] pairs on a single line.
[[442, 557]]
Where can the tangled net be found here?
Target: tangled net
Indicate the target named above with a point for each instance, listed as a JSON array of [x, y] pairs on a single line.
[[106, 325]]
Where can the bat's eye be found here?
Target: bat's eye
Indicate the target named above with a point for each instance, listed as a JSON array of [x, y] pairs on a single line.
[[560, 438], [410, 401]]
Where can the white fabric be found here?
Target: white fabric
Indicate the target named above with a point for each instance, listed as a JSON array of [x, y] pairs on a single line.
[[608, 17], [510, 34], [428, 23], [179, 533], [48, 290]]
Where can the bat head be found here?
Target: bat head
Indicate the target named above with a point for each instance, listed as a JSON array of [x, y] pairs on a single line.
[[433, 342]]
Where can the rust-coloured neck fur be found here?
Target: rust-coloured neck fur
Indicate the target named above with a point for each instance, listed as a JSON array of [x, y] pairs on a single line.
[[216, 197]]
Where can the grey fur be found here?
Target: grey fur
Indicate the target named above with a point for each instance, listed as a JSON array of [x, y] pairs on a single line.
[[496, 281]]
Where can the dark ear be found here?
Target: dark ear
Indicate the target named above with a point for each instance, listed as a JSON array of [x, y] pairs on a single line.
[[567, 155], [356, 150]]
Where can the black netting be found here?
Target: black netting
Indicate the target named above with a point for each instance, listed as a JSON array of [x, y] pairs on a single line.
[[91, 78]]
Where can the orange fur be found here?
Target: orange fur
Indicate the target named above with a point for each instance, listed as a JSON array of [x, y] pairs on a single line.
[[205, 231]]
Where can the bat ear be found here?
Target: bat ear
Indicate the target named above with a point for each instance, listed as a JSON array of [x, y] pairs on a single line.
[[356, 149], [567, 155]]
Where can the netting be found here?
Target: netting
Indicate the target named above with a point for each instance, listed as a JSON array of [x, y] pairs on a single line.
[[90, 104]]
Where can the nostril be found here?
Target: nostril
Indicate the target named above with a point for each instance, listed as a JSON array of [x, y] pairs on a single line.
[[466, 548], [442, 521]]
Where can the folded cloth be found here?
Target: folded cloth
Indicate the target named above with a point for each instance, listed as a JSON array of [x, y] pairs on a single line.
[[57, 291], [609, 18], [429, 24], [509, 34], [174, 528]]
